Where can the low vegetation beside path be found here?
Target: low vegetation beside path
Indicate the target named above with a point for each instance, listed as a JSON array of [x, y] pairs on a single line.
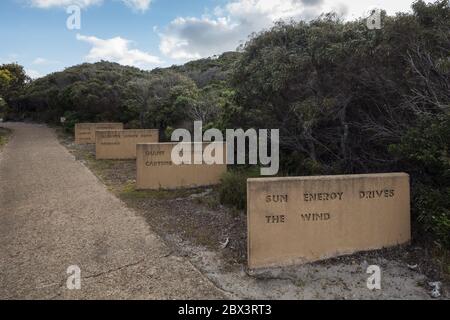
[[4, 136]]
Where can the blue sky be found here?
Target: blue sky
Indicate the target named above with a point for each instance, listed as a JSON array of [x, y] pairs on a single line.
[[148, 33]]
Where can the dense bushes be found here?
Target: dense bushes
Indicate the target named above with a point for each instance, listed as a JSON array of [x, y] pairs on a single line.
[[71, 120], [233, 187], [341, 93], [424, 151], [3, 108], [91, 92], [12, 82], [108, 91]]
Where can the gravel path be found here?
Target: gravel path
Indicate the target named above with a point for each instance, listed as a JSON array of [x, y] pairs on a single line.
[[54, 213]]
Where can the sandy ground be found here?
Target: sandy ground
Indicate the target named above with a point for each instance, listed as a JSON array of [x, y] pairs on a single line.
[[55, 213]]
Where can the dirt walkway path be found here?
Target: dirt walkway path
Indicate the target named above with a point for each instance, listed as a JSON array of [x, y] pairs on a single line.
[[54, 213]]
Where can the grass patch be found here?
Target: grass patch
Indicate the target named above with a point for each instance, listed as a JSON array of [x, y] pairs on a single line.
[[211, 201], [4, 136], [100, 165], [441, 257], [129, 191], [233, 189]]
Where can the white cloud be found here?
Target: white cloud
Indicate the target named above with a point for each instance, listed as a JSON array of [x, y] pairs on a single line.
[[137, 5], [193, 38], [187, 38], [64, 3], [33, 74], [43, 61], [118, 50]]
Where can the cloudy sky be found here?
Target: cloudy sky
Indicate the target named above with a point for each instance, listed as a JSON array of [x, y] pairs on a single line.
[[149, 33]]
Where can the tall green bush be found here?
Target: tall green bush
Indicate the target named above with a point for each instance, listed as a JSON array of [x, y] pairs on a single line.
[[72, 119], [233, 187], [424, 152]]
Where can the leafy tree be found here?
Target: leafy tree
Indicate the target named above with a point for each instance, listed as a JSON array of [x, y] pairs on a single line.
[[3, 108], [161, 99], [209, 71], [12, 82], [5, 80], [94, 92]]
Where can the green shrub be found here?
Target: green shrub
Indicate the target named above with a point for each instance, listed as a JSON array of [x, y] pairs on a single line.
[[168, 132], [233, 188], [431, 208], [71, 119], [3, 108], [134, 124], [4, 134], [424, 153]]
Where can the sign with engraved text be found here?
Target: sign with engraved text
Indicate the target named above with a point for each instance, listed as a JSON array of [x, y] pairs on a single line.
[[85, 132], [303, 219], [156, 170], [121, 144]]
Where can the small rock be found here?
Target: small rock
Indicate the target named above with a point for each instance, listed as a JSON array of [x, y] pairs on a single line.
[[225, 244], [436, 291], [412, 266], [364, 265], [200, 195]]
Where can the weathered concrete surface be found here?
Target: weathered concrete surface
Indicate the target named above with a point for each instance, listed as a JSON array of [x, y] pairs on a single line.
[[55, 213], [121, 144], [295, 220], [85, 132], [156, 170]]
